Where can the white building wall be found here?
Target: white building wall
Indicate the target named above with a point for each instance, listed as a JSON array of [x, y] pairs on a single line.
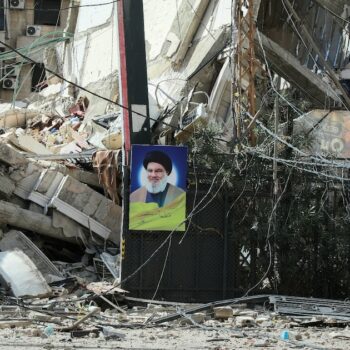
[[94, 50]]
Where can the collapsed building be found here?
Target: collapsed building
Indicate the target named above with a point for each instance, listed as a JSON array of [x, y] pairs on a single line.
[[214, 70]]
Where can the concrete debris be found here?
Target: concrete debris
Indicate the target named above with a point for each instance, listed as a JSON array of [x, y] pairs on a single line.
[[16, 118], [111, 333], [49, 187], [16, 239], [130, 326], [50, 191], [100, 288], [223, 313], [21, 275], [88, 207], [342, 335], [60, 169], [245, 321]]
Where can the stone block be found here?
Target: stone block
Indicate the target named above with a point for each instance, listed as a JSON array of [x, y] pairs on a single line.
[[223, 312], [245, 321]]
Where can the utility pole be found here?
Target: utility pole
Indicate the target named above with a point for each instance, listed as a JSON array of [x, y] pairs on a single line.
[[133, 74], [134, 94]]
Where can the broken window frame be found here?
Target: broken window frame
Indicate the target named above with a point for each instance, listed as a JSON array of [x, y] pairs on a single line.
[[47, 12], [2, 16]]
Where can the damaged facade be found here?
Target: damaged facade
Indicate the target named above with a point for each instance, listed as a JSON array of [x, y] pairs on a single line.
[[54, 183], [254, 89]]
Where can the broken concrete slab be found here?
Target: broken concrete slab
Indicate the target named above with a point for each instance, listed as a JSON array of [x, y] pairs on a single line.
[[45, 188], [10, 156], [181, 34], [20, 273], [77, 201], [220, 97], [69, 227], [16, 117], [16, 239], [112, 140], [7, 186], [25, 184], [15, 323], [26, 176], [245, 321], [89, 208], [29, 144], [288, 67], [16, 216]]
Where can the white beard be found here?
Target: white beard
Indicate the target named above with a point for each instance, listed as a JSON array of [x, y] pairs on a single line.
[[158, 187]]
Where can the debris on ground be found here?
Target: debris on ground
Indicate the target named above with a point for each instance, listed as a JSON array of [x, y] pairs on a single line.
[[81, 316]]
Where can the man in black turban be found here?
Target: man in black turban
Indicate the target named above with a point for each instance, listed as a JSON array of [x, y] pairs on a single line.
[[157, 189]]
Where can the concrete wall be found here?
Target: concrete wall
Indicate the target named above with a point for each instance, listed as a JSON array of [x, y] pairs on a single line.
[[91, 59], [165, 24]]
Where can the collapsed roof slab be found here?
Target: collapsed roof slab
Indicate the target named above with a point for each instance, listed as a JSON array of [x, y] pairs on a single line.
[[180, 36], [289, 68]]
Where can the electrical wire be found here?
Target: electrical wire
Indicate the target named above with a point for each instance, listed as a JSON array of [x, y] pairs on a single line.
[[309, 53], [47, 40], [332, 12], [96, 94], [56, 10], [295, 149], [163, 269], [193, 212]]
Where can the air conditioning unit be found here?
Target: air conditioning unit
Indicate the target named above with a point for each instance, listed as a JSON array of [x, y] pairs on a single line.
[[9, 83], [17, 4], [197, 114], [33, 31], [10, 70], [197, 118]]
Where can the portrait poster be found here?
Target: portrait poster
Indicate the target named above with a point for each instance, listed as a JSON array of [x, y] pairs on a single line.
[[157, 199]]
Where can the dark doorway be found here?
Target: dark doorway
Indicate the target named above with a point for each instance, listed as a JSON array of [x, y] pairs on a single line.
[[39, 77]]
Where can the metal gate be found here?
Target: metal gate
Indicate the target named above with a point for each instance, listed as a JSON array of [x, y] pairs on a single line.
[[199, 269]]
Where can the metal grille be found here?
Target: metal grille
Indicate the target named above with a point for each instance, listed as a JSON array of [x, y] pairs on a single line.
[[225, 252], [196, 269]]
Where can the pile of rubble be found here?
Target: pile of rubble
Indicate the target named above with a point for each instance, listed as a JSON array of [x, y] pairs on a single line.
[[99, 315], [60, 216], [64, 131]]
